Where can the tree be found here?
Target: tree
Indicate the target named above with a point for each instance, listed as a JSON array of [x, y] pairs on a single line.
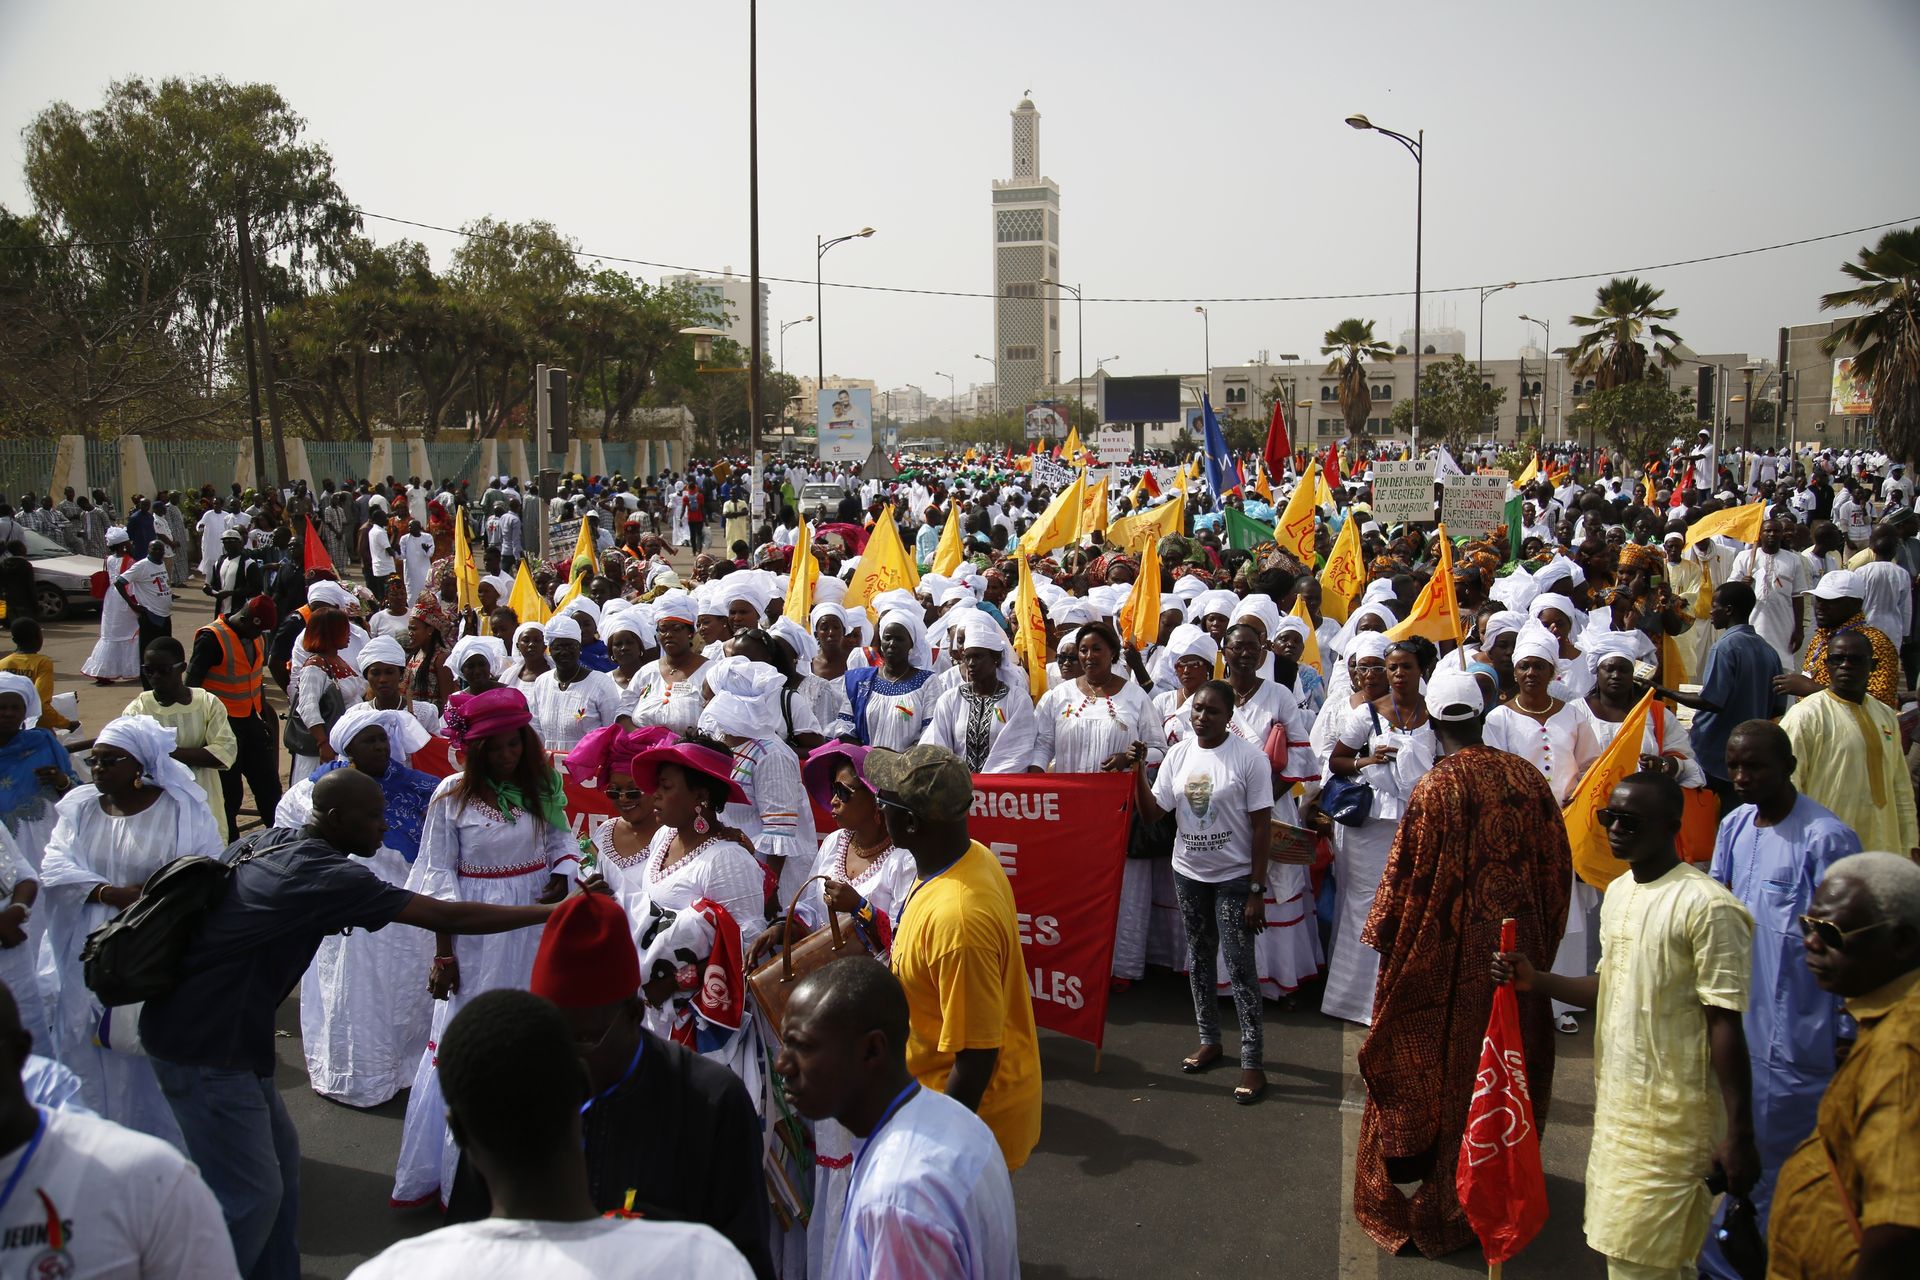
[[1886, 340], [1455, 403], [1612, 351], [1639, 418], [1352, 345]]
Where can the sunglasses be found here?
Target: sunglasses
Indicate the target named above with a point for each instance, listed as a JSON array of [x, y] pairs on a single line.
[[163, 668], [1628, 823], [1831, 935], [845, 794], [619, 794], [886, 801], [99, 763]]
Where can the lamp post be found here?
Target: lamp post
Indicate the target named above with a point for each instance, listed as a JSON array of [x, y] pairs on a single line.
[[1547, 346], [1746, 410], [1079, 338], [953, 395], [1307, 418], [1206, 337], [1416, 147], [820, 248], [996, 378], [1486, 293], [783, 339]]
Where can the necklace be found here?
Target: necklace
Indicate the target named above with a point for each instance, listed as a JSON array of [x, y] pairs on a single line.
[[1533, 711]]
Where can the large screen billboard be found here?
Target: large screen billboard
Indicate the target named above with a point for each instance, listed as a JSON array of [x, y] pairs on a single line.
[[1154, 399]]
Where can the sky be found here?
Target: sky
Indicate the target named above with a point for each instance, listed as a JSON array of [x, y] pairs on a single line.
[[1200, 150]]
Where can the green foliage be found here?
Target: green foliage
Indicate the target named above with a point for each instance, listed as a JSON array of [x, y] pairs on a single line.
[[1886, 340], [1352, 345], [1636, 418], [1611, 351], [1454, 403]]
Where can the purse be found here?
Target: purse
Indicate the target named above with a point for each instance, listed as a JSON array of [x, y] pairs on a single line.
[[773, 982], [1348, 798]]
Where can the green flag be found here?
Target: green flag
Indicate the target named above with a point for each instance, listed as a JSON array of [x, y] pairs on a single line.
[[1513, 527], [1243, 532]]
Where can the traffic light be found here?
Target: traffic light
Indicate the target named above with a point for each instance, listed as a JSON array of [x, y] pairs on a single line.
[[1703, 402], [550, 408]]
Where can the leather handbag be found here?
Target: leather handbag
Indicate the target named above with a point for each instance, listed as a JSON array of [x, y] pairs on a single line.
[[773, 982], [1347, 799]]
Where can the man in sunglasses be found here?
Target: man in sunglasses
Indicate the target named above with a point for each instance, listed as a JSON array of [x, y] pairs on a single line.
[[1771, 852], [1672, 1086], [1848, 749], [1848, 1200]]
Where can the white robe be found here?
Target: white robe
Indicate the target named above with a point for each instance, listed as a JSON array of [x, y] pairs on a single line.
[[117, 655], [1010, 731]]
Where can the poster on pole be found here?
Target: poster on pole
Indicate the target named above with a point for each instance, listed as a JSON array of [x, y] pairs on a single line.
[[1471, 505], [1046, 421], [1403, 491], [846, 424], [1850, 397], [1113, 446]]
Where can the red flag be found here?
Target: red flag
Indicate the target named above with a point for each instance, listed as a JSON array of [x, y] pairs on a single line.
[[314, 552], [1500, 1182], [1678, 498], [1239, 477], [1148, 483], [1332, 469], [1278, 450]]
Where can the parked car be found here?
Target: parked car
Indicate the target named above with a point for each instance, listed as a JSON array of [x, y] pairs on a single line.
[[818, 502], [62, 581]]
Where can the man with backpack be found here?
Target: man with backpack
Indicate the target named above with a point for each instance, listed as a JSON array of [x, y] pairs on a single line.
[[210, 1036]]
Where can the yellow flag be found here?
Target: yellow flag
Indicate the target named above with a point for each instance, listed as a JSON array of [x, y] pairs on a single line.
[[1646, 491], [1436, 612], [1140, 615], [1093, 509], [527, 603], [884, 565], [466, 577], [1293, 532], [1311, 654], [1322, 495], [1070, 451], [800, 578], [1528, 476], [1260, 485], [1593, 859], [1742, 524], [1130, 533], [1030, 631], [583, 547], [948, 555], [1059, 524], [1346, 573]]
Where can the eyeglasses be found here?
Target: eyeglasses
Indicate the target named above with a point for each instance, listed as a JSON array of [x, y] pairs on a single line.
[[1628, 823], [845, 794], [620, 794], [886, 801], [98, 763], [1831, 935], [163, 668]]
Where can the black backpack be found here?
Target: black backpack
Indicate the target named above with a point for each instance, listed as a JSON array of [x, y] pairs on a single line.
[[137, 955]]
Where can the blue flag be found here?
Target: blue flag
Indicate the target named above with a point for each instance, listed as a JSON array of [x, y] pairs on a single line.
[[1221, 477]]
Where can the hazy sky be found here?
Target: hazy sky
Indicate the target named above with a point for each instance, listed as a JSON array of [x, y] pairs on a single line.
[[1199, 147]]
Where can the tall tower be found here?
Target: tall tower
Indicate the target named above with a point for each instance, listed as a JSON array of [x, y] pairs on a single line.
[[1026, 250]]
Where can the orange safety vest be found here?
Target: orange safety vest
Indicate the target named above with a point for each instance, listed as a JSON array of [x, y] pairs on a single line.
[[239, 679]]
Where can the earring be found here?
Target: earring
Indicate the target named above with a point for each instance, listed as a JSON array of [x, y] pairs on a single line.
[[700, 825], [138, 782]]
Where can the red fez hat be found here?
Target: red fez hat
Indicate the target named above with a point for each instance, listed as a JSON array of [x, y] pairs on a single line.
[[586, 955]]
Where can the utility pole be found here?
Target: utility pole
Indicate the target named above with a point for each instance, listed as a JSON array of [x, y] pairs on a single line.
[[250, 299]]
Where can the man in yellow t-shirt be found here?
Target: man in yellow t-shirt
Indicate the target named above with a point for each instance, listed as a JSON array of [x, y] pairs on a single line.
[[956, 951]]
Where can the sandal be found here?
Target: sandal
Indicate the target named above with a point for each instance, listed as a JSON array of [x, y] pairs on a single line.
[[1203, 1060], [1565, 1024], [1247, 1095]]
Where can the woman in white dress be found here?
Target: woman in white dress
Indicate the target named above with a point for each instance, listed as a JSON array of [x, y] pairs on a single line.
[[667, 691], [117, 654], [530, 658], [364, 1012], [987, 717], [1573, 675], [793, 715], [383, 665], [603, 761], [496, 832], [889, 705], [1557, 738], [822, 697], [1664, 744], [1388, 742], [1270, 719], [571, 700], [477, 663], [743, 712], [325, 668], [1102, 722], [142, 810], [1192, 654], [835, 651], [863, 876]]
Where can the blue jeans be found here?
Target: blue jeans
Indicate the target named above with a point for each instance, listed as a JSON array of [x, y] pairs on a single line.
[[1212, 914], [240, 1135]]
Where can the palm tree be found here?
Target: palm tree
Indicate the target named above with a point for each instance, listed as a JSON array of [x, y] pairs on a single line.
[[1886, 340], [1611, 351], [1352, 345]]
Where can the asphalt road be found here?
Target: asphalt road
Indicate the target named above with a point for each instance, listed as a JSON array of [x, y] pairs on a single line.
[[1140, 1171]]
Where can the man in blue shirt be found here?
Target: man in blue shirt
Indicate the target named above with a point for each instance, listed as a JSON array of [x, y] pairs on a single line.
[[1737, 686]]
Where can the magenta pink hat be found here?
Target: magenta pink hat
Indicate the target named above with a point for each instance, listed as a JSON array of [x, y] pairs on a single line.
[[717, 765], [611, 750], [471, 716], [816, 774]]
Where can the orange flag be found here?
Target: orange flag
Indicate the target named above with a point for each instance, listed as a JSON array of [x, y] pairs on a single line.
[[1436, 613], [1593, 859], [1140, 615]]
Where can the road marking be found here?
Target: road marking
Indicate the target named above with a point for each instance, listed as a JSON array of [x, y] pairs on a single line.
[[1359, 1255]]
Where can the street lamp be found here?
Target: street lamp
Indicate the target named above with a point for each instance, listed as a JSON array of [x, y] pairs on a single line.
[[1486, 293], [1102, 363], [783, 341], [1080, 340], [953, 395], [1547, 346], [996, 377], [820, 248], [1206, 337], [1416, 147]]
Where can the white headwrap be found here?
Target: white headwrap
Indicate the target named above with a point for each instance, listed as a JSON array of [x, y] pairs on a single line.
[[1375, 598], [1261, 609], [1535, 641], [383, 649], [14, 682], [743, 587], [1189, 587], [1189, 641], [561, 627], [153, 744], [922, 659], [327, 591], [522, 631], [1576, 618], [898, 598], [745, 701], [1631, 645], [581, 604], [978, 630], [829, 590], [1368, 644], [1224, 603], [463, 648], [708, 602], [1071, 611], [675, 604], [404, 733], [117, 535], [797, 638], [1296, 625], [1499, 624], [826, 609], [932, 585]]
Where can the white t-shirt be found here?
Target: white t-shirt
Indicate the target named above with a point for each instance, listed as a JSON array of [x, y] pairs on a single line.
[[394, 625], [514, 1248], [1213, 793], [380, 551], [127, 1206], [148, 582]]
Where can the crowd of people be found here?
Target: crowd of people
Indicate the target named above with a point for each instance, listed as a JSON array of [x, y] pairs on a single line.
[[1337, 803]]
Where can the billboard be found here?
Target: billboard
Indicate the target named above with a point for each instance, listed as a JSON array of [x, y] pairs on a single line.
[[1155, 399], [1046, 420], [846, 424], [1850, 398]]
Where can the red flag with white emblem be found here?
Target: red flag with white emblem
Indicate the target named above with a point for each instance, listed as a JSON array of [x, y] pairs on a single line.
[[1500, 1182]]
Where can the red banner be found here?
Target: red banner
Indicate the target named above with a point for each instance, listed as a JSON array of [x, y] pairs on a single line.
[[1062, 840]]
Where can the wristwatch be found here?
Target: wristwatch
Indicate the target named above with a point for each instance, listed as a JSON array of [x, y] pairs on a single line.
[[1256, 887]]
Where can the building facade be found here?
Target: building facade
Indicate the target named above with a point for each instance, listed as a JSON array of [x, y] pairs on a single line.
[[1026, 251], [729, 296]]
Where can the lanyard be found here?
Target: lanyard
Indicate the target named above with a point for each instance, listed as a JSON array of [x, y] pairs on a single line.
[[33, 1144], [586, 1106], [900, 1099]]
